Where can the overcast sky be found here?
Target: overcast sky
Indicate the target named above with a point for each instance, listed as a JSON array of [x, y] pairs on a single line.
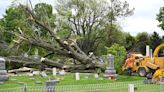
[[143, 19]]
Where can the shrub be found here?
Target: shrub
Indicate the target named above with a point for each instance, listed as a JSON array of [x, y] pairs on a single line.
[[119, 53]]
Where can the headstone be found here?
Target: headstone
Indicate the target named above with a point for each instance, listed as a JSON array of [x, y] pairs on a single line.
[[3, 73], [147, 50], [62, 72], [130, 87], [110, 71], [50, 85], [32, 78], [86, 78], [29, 74], [36, 72], [2, 66], [161, 81], [110, 62], [96, 76], [43, 74], [54, 71], [36, 54], [77, 76]]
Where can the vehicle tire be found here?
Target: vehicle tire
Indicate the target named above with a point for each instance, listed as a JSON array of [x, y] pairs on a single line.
[[142, 72]]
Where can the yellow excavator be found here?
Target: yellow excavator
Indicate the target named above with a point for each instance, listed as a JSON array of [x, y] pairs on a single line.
[[144, 65]]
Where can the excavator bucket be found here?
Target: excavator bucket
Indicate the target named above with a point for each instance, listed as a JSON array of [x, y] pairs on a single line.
[[157, 75]]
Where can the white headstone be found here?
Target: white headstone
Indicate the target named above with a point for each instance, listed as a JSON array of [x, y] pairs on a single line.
[[36, 54], [130, 87], [30, 74], [96, 75], [54, 71], [36, 72], [43, 74], [77, 76], [62, 72], [147, 50]]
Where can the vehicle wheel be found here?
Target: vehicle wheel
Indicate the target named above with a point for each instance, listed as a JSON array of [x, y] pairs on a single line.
[[142, 72]]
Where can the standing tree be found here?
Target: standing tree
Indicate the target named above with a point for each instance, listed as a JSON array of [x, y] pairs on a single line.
[[155, 40], [142, 39], [89, 20], [160, 18]]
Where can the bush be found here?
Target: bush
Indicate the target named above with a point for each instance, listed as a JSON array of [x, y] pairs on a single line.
[[119, 53]]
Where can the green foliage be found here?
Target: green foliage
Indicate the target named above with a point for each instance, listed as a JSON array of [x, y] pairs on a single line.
[[119, 53], [142, 39], [90, 19], [13, 19], [160, 18], [114, 34], [155, 40], [17, 21], [129, 41]]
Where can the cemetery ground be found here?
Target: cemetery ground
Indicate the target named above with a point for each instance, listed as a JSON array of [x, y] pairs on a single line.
[[87, 83], [68, 79]]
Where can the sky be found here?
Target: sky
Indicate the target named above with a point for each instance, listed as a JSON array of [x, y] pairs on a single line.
[[143, 19]]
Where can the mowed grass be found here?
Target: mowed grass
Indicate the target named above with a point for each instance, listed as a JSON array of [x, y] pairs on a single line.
[[68, 79], [69, 84]]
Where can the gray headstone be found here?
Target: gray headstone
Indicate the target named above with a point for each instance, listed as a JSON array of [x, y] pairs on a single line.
[[86, 78], [4, 78], [110, 64], [2, 64], [110, 71], [3, 73], [50, 85]]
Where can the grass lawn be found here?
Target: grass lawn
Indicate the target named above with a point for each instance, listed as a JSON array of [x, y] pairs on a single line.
[[68, 79], [69, 84]]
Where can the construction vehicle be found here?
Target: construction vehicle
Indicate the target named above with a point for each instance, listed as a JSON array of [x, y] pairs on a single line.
[[143, 65]]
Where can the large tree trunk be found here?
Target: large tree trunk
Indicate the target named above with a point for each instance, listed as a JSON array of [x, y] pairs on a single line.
[[30, 61]]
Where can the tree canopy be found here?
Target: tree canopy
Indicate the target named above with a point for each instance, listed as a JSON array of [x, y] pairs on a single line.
[[77, 28], [160, 18]]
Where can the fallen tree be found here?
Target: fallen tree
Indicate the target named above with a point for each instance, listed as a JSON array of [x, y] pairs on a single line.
[[27, 61], [66, 47], [90, 24]]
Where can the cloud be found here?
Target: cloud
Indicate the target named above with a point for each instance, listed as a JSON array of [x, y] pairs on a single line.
[[6, 3], [3, 5], [144, 18]]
